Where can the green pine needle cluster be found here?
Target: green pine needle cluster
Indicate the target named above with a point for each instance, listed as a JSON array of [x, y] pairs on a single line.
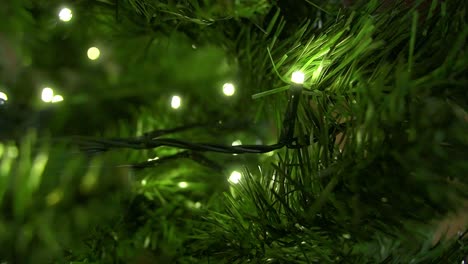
[[381, 125]]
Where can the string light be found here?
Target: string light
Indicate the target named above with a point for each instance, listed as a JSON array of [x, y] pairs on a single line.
[[235, 177], [47, 94], [297, 77], [183, 185], [229, 89], [57, 98], [3, 96], [93, 53], [236, 143], [65, 14], [175, 102]]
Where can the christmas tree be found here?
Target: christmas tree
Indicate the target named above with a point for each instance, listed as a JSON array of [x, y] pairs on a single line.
[[252, 131]]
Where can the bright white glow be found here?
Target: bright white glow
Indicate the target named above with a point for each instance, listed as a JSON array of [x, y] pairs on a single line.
[[175, 102], [229, 89], [93, 53], [152, 159], [235, 177], [183, 185], [47, 94], [3, 96], [57, 98], [143, 182], [297, 77], [236, 143], [65, 14]]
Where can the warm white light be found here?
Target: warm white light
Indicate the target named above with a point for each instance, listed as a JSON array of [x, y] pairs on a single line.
[[3, 96], [183, 184], [57, 98], [235, 177], [65, 14], [47, 95], [175, 102], [236, 143], [229, 89], [153, 159], [297, 77], [93, 53]]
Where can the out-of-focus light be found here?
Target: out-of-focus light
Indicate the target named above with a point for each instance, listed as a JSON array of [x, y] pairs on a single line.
[[229, 89], [47, 94], [153, 159], [297, 77], [143, 182], [183, 185], [65, 14], [3, 96], [236, 143], [235, 177], [175, 102], [93, 53], [57, 98]]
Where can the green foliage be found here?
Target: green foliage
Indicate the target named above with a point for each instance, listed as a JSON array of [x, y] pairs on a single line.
[[384, 108]]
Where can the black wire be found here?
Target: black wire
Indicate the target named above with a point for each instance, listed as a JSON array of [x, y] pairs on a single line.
[[151, 140]]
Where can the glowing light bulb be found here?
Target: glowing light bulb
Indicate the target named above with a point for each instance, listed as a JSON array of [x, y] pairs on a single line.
[[183, 185], [235, 177], [236, 143], [93, 53], [229, 89], [57, 98], [3, 96], [47, 94], [175, 102], [297, 77], [65, 14]]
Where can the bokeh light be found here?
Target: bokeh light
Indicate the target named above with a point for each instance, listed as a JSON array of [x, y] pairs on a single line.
[[65, 14], [235, 177], [229, 89], [175, 102], [93, 53], [47, 94], [3, 96]]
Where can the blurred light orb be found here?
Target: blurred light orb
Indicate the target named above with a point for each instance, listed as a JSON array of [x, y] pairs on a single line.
[[47, 94], [65, 14], [57, 98], [297, 77], [3, 96], [229, 89], [236, 143], [183, 185], [175, 102], [93, 53], [235, 177]]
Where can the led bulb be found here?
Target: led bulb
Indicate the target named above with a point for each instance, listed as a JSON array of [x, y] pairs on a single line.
[[65, 14], [175, 102], [229, 89], [47, 94], [183, 185], [235, 177], [236, 143], [93, 53], [3, 96], [297, 77], [57, 98]]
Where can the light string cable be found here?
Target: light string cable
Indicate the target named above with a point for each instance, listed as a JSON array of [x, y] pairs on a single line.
[[153, 140]]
